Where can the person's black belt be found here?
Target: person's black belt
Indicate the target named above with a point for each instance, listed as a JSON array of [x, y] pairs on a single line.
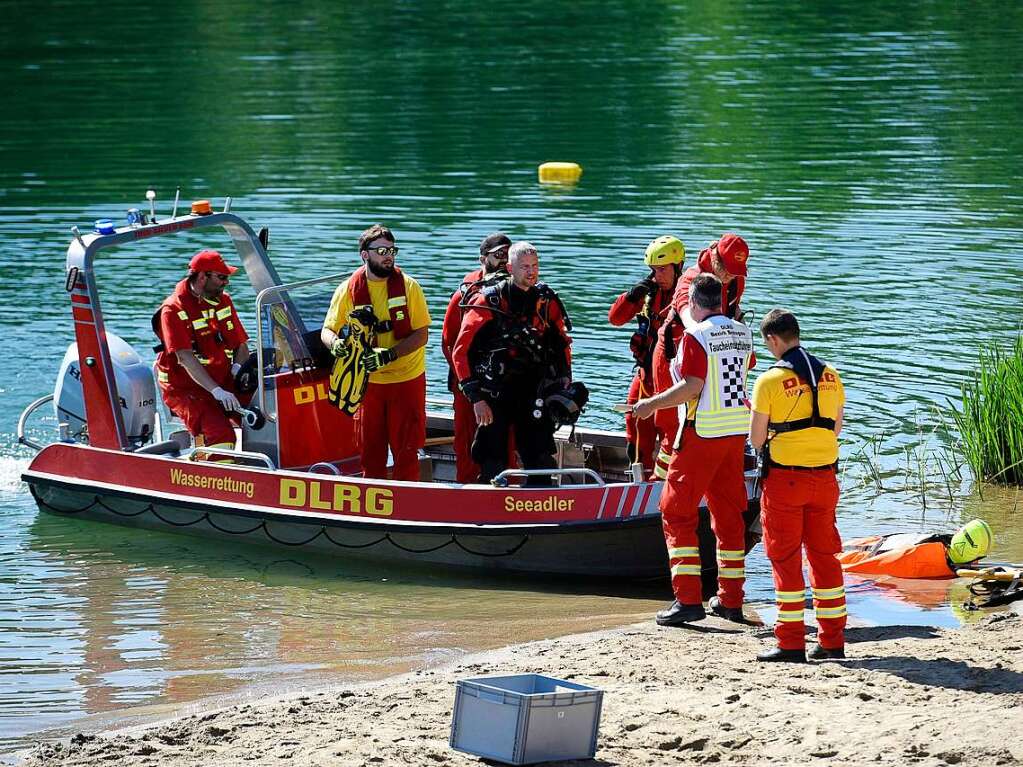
[[826, 467]]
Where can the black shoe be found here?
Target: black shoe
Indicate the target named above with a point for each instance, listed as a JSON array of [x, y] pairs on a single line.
[[823, 653], [733, 614], [679, 614], [778, 655]]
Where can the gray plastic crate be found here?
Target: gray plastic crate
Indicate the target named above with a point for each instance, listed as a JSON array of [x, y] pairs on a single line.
[[525, 718]]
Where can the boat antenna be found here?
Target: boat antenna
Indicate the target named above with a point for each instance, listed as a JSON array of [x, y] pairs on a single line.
[[227, 205], [177, 195], [151, 196], [78, 236]]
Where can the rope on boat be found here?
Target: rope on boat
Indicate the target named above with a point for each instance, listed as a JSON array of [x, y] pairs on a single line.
[[323, 531]]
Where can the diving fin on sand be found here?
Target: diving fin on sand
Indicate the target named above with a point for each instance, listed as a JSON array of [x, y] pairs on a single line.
[[349, 376]]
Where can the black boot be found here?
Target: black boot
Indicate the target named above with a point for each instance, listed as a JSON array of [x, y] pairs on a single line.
[[679, 614], [733, 614], [778, 655], [825, 653]]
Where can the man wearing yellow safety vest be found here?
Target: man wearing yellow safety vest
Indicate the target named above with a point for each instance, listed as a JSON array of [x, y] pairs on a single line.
[[797, 416], [709, 454], [648, 301]]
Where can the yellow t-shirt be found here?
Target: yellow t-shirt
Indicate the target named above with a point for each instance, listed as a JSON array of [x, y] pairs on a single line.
[[780, 395], [404, 368]]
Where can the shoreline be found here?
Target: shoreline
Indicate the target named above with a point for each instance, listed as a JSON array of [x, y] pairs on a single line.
[[905, 694]]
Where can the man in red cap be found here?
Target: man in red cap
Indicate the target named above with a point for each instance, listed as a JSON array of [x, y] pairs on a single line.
[[202, 347], [493, 267], [725, 259]]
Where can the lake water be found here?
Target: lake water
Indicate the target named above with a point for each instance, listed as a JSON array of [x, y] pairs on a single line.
[[870, 155]]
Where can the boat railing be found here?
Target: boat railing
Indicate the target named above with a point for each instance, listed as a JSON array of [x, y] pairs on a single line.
[[501, 480], [207, 454], [23, 420], [262, 298], [325, 468]]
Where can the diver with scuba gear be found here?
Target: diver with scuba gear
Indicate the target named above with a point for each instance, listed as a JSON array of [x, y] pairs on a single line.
[[648, 302], [512, 349]]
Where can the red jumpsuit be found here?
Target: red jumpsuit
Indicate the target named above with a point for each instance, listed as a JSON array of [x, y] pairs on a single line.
[[668, 339], [642, 434], [704, 467], [466, 470], [212, 331], [799, 511]]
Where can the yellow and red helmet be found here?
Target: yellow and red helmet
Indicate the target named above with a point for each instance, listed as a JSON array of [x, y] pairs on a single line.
[[665, 250]]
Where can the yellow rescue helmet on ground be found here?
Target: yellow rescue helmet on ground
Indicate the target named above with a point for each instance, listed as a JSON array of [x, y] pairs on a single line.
[[971, 541], [665, 250]]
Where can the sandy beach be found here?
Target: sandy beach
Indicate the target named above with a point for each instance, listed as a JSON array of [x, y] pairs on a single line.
[[904, 695]]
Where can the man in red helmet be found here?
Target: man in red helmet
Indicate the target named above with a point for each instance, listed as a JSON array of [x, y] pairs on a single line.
[[726, 259], [493, 267], [202, 348]]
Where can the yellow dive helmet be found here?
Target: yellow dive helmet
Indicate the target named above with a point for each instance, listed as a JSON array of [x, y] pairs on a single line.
[[665, 250], [971, 541]]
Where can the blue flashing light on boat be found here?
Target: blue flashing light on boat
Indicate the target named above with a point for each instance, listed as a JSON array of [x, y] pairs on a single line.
[[104, 226]]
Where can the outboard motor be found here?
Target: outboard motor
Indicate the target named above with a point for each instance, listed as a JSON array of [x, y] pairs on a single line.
[[135, 389]]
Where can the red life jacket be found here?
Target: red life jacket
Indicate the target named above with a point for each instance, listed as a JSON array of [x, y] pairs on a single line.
[[214, 337], [398, 321]]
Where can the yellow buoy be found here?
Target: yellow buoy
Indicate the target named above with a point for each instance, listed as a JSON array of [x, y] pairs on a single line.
[[559, 173]]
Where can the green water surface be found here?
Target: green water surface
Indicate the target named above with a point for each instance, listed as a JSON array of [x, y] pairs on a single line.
[[869, 153]]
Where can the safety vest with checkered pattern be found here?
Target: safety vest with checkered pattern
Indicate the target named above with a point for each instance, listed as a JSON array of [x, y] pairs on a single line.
[[723, 407]]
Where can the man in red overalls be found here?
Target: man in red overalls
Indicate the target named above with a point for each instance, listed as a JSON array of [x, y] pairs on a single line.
[[798, 406], [726, 259], [202, 347], [648, 301], [493, 264], [709, 456]]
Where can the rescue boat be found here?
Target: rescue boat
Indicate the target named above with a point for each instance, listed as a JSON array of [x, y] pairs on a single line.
[[295, 479]]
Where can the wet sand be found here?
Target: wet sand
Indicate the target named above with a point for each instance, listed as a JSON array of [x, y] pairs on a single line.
[[904, 695]]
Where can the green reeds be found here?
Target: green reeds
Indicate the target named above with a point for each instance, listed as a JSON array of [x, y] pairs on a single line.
[[991, 420]]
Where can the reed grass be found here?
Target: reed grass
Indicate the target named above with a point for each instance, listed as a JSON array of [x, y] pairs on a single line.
[[990, 421]]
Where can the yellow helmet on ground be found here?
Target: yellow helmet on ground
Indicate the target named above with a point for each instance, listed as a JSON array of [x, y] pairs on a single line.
[[665, 250], [971, 541]]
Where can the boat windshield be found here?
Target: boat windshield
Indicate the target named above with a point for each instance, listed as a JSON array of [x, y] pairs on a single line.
[[289, 321]]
